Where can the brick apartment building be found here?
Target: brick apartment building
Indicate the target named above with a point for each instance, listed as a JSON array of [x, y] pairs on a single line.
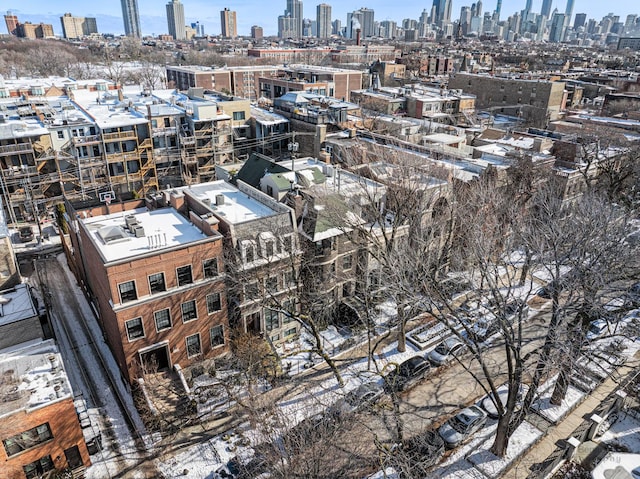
[[39, 426], [538, 101], [156, 278]]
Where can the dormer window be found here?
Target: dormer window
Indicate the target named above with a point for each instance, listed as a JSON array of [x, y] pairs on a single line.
[[268, 245], [248, 251]]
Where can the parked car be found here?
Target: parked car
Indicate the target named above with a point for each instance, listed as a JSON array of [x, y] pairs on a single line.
[[632, 297], [446, 351], [484, 327], [462, 426], [360, 398], [489, 404], [25, 233], [407, 373], [417, 455], [514, 309], [596, 329]]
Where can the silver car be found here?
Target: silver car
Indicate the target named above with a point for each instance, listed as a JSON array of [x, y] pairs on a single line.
[[446, 351], [462, 426]]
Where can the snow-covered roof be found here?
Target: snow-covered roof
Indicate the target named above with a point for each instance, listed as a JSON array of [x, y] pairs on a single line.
[[617, 465], [236, 206], [33, 376], [444, 138], [16, 304], [107, 110], [162, 229]]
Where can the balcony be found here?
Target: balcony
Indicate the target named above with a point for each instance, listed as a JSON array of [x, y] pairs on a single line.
[[120, 136], [15, 149], [169, 131], [85, 140]]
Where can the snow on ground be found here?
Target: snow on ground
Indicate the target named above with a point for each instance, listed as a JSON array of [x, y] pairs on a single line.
[[555, 413], [624, 432], [492, 465]]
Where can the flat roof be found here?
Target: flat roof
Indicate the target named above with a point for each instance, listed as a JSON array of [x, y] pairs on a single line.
[[33, 376], [237, 207], [164, 229], [109, 112], [16, 304]]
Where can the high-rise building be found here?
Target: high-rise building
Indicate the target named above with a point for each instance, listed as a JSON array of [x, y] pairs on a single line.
[[323, 20], [228, 23], [336, 27], [175, 20], [12, 23], [32, 31], [77, 27], [580, 20], [291, 21], [527, 7], [556, 30], [256, 32], [131, 18], [568, 12], [545, 11], [444, 12], [362, 19], [498, 8]]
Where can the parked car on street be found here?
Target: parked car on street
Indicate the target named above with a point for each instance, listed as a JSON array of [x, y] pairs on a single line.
[[407, 374], [462, 426], [597, 328], [446, 351], [416, 456], [360, 398], [489, 404]]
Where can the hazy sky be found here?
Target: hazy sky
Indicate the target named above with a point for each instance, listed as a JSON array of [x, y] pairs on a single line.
[[265, 12]]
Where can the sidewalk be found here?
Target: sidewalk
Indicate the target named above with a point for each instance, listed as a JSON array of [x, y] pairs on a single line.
[[563, 430]]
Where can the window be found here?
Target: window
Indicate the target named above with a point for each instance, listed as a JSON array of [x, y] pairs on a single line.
[[60, 134], [217, 336], [290, 310], [156, 283], [272, 284], [163, 319], [251, 291], [271, 319], [189, 311], [287, 244], [38, 468], [275, 337], [347, 262], [290, 332], [184, 275], [210, 267], [248, 251], [27, 439], [238, 115], [134, 329], [127, 291], [193, 345], [290, 278], [213, 303]]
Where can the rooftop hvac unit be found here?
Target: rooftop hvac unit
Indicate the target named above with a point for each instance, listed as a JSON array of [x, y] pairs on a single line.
[[130, 220], [219, 200], [206, 201], [138, 231]]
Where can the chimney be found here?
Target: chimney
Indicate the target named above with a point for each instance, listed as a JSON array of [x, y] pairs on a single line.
[[120, 95], [358, 36]]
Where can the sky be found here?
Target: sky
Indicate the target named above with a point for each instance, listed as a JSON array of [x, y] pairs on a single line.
[[265, 12]]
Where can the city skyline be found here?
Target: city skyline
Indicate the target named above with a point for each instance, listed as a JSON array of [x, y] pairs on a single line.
[[153, 15]]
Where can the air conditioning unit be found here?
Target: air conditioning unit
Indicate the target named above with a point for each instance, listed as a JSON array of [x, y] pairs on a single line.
[[138, 231]]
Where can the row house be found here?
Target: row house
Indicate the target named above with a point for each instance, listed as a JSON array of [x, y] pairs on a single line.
[[333, 264], [39, 427], [262, 253], [155, 272]]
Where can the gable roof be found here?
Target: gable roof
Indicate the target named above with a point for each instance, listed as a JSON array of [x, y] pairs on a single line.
[[255, 168]]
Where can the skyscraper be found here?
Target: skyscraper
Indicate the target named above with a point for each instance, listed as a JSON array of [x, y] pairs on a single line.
[[131, 18], [12, 23], [175, 20], [568, 12], [498, 8], [228, 23], [323, 20], [546, 8], [556, 31], [527, 7], [256, 32], [294, 10], [444, 12], [580, 20]]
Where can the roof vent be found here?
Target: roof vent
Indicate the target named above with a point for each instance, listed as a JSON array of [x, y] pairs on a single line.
[[138, 230], [219, 200]]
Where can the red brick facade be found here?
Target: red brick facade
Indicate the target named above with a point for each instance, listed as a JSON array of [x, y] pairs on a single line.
[[65, 429]]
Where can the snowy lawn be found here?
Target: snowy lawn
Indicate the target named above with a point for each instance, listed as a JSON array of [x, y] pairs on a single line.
[[624, 432], [493, 466], [555, 413]]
